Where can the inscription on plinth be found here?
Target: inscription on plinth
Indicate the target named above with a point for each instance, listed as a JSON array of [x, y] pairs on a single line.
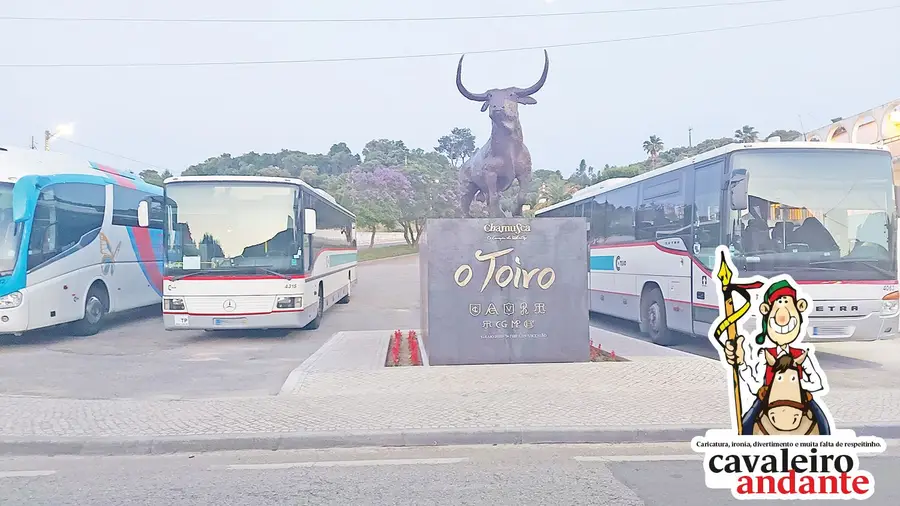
[[506, 290]]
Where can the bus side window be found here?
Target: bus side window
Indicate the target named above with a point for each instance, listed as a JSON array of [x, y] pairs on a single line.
[[597, 232], [620, 214], [157, 213], [707, 215], [66, 214], [661, 214]]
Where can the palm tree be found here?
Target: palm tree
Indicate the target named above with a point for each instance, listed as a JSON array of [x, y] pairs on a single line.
[[746, 134], [653, 146]]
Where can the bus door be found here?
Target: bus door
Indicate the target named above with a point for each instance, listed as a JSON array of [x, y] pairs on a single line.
[[707, 235]]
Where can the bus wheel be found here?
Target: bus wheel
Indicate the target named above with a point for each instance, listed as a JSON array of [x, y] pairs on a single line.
[[95, 309], [653, 318], [313, 325]]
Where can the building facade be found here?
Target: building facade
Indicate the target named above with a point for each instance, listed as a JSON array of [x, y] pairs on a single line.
[[879, 125]]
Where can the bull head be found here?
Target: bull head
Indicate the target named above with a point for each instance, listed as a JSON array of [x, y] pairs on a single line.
[[503, 103]]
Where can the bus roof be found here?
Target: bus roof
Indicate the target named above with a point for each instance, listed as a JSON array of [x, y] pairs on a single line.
[[259, 179], [16, 163], [603, 186]]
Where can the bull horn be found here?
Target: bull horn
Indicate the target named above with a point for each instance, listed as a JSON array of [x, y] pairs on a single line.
[[477, 97], [538, 85]]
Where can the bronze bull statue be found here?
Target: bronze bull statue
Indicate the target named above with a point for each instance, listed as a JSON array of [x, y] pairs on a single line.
[[504, 157]]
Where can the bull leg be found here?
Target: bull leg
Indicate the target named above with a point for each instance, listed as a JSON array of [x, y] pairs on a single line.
[[493, 196], [468, 194], [524, 186]]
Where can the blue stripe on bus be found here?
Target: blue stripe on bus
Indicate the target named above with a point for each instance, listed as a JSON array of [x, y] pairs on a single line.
[[603, 263]]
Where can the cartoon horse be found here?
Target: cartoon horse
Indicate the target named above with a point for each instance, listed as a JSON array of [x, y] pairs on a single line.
[[786, 409]]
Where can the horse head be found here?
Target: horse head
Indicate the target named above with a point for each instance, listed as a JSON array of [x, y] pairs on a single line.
[[786, 401]]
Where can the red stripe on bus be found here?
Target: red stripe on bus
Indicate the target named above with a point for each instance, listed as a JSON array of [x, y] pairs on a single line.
[[117, 176], [297, 310], [236, 278]]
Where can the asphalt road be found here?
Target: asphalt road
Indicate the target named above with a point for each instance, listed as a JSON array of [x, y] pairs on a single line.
[[623, 475], [136, 358]]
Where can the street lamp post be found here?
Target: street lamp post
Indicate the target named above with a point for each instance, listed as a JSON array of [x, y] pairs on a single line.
[[63, 130]]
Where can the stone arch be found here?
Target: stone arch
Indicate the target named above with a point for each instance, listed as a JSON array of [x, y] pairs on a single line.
[[890, 124], [838, 133], [865, 130]]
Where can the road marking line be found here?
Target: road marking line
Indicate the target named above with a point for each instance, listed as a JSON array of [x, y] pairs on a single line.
[[25, 474], [342, 463], [636, 458]]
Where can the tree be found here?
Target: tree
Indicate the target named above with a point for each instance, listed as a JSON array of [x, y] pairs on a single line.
[[384, 153], [153, 177], [746, 134], [338, 160], [583, 175], [653, 146], [213, 246], [785, 135], [375, 197], [552, 190], [458, 146]]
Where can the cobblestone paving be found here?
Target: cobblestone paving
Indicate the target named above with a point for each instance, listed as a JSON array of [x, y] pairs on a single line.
[[624, 395]]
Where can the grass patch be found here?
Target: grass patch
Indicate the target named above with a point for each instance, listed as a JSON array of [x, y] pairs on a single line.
[[386, 252]]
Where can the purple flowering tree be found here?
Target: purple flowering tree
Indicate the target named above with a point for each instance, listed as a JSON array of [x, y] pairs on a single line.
[[376, 197]]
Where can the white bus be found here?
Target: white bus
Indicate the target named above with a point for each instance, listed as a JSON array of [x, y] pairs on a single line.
[[71, 248], [254, 253], [823, 213]]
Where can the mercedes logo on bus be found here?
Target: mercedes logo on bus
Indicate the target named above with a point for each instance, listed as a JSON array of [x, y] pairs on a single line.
[[229, 305]]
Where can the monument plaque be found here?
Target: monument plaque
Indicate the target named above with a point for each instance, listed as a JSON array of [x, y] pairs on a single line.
[[504, 290]]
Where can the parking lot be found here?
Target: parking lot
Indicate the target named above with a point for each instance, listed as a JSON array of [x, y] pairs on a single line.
[[135, 358]]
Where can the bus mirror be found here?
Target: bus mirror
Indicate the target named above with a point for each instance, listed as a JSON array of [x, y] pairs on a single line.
[[143, 214], [309, 221], [738, 184]]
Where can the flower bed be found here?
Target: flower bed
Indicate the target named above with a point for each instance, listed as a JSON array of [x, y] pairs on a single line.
[[601, 355], [403, 350]]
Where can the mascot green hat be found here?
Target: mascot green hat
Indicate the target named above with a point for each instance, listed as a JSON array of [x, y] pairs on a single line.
[[778, 289]]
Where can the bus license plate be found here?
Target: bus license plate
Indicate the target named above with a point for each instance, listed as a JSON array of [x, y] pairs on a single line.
[[182, 320], [229, 322]]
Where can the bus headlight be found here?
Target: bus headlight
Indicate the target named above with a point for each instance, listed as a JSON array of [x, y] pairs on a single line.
[[10, 301], [173, 304], [890, 304], [286, 303]]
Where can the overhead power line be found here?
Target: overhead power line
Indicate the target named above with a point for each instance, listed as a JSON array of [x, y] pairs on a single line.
[[387, 20], [454, 53], [145, 164]]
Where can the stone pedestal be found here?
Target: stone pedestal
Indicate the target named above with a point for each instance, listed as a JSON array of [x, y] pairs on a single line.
[[505, 291]]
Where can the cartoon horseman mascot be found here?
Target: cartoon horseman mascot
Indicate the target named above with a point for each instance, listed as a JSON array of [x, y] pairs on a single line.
[[777, 362]]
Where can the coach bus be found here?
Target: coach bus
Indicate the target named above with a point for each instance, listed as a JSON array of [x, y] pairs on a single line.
[[254, 252], [71, 248], [823, 213]]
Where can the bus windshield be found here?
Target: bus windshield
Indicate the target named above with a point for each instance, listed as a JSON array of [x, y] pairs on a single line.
[[231, 227], [10, 233], [825, 214]]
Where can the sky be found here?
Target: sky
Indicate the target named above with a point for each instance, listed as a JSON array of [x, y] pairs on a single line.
[[600, 102]]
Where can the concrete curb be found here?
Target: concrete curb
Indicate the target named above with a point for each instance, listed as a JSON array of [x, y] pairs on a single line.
[[355, 439], [387, 258]]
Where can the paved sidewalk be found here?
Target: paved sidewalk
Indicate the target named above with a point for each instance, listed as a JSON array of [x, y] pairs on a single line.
[[328, 403]]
